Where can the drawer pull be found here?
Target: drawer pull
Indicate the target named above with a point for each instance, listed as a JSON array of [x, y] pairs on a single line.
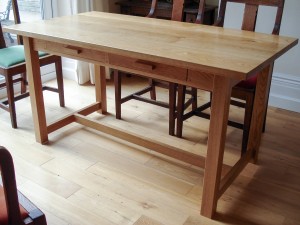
[[72, 50], [145, 65]]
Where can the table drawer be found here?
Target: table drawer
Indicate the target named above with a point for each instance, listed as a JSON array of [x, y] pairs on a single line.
[[148, 68], [89, 55], [200, 80]]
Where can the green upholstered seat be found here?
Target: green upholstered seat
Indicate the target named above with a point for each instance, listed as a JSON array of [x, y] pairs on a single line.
[[13, 55]]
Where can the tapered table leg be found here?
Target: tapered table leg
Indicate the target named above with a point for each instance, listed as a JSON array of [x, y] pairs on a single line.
[[36, 92], [259, 109], [215, 147]]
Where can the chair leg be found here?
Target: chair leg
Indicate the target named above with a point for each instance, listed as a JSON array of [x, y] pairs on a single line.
[[60, 82], [152, 91], [117, 81], [194, 96], [247, 121], [172, 108], [180, 109], [23, 83], [11, 100]]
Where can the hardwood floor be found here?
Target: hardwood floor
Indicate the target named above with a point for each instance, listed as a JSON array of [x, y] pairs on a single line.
[[85, 177]]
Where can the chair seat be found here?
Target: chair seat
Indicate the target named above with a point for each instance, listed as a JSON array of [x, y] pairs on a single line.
[[13, 55], [249, 83], [3, 210]]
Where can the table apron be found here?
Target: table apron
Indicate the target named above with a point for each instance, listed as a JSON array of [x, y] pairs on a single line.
[[147, 68]]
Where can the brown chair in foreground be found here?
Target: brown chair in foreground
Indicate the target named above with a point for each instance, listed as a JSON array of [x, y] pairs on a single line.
[[13, 68], [15, 208], [245, 90], [177, 15]]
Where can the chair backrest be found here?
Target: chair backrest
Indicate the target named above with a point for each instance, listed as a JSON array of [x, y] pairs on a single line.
[[9, 186], [250, 13], [177, 9], [15, 208]]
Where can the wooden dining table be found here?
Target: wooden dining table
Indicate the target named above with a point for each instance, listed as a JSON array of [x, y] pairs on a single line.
[[205, 57]]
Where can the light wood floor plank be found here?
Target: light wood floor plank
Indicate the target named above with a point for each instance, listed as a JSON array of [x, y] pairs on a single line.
[[72, 214], [86, 177], [144, 220]]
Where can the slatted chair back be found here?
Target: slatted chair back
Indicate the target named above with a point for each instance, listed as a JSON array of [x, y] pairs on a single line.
[[177, 10], [12, 66], [15, 208], [9, 180], [250, 13]]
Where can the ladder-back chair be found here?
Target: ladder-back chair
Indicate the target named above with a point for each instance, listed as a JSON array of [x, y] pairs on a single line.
[[13, 68], [245, 90], [177, 15]]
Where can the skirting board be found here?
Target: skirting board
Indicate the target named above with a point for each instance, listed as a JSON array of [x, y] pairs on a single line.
[[285, 92]]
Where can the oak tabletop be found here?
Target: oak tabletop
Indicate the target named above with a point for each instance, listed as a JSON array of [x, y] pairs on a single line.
[[215, 50]]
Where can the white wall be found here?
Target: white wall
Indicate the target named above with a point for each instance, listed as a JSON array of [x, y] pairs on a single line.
[[285, 88]]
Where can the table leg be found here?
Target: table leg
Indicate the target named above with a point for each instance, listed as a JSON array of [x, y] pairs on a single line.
[[216, 143], [259, 109], [35, 90], [100, 87]]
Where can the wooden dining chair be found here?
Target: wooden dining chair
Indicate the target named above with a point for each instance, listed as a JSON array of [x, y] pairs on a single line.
[[13, 68], [243, 93], [15, 208], [177, 15]]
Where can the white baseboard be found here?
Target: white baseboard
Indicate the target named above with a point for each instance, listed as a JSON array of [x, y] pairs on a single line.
[[285, 92]]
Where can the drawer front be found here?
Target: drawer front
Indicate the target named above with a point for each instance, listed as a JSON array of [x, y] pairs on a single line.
[[148, 68], [200, 80], [89, 55]]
